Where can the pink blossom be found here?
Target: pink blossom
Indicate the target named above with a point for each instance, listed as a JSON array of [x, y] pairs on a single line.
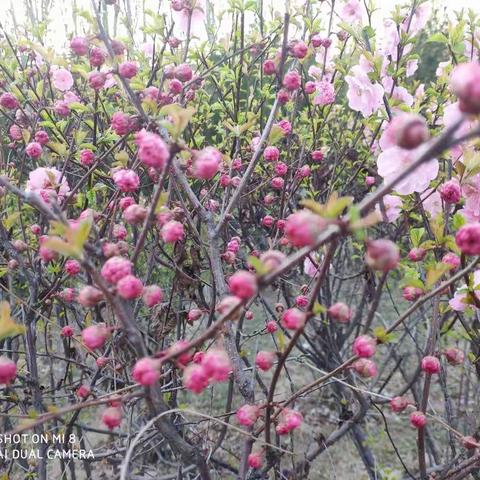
[[62, 79], [411, 67], [121, 123], [134, 214], [33, 150], [265, 360], [206, 163], [243, 284], [217, 365], [115, 268], [363, 95], [127, 69], [129, 287], [292, 80], [172, 232], [183, 72], [255, 460], [269, 67], [450, 191], [146, 371], [432, 202], [325, 93], [41, 137], [393, 208], [468, 239], [96, 80], [365, 367], [7, 100], [398, 404], [152, 295], [395, 160], [271, 154], [418, 419], [87, 157], [430, 364], [126, 180], [152, 150], [195, 378], [8, 370], [382, 254], [72, 267], [303, 227], [351, 11], [364, 346], [46, 182], [454, 356], [79, 45], [95, 336], [112, 417], [340, 312], [247, 415], [293, 319]]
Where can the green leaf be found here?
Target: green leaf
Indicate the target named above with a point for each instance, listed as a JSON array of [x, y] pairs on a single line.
[[438, 38], [180, 117], [8, 328], [435, 273], [259, 267]]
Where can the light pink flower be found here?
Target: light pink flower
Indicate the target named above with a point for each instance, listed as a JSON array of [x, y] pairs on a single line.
[[411, 67], [393, 207], [363, 95], [432, 202], [395, 160], [351, 11], [198, 15], [325, 93], [471, 192], [62, 79], [389, 40], [46, 183], [419, 19]]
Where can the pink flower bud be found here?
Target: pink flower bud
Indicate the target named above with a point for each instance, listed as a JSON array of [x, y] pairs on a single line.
[[83, 391], [365, 368], [194, 314], [97, 57], [281, 168], [410, 130], [8, 370], [291, 81], [269, 67], [317, 156], [41, 137], [97, 80], [272, 259], [152, 150], [271, 154], [369, 181], [430, 365], [290, 420], [152, 295], [87, 157], [126, 180], [79, 46], [450, 192], [217, 365], [411, 294], [89, 296], [454, 356], [303, 227], [243, 284], [8, 101], [146, 371], [195, 378], [33, 150], [468, 239], [128, 69], [67, 331], [172, 232], [95, 336], [183, 72], [121, 123], [112, 417], [247, 415], [316, 41], [364, 346], [418, 419], [115, 268], [15, 132], [175, 86], [310, 87], [130, 287], [293, 319], [451, 259], [382, 255], [299, 50], [255, 460], [301, 301], [283, 96], [340, 312], [72, 267], [265, 360], [398, 404], [417, 254], [67, 295], [206, 163], [465, 84]]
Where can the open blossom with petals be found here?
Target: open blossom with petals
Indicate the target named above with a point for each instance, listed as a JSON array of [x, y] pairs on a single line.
[[351, 11], [146, 371], [363, 95], [206, 163], [289, 420], [395, 160], [172, 232], [126, 180], [152, 150], [48, 183], [62, 79], [392, 205], [127, 69], [325, 93], [96, 80], [247, 415]]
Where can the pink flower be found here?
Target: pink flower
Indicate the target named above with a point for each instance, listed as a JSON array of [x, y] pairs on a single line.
[[468, 239], [217, 365], [351, 11], [94, 337], [195, 378], [97, 57], [206, 163], [152, 150], [62, 79], [115, 268], [15, 132], [430, 364], [416, 254], [87, 157], [271, 326], [303, 227], [450, 191], [264, 360], [454, 356], [83, 391], [112, 417], [325, 93], [365, 368], [172, 232], [364, 346], [152, 295], [194, 314], [286, 126], [418, 419], [46, 182], [126, 180], [243, 284], [293, 319], [340, 312], [363, 95], [432, 202], [410, 130], [317, 156], [41, 137], [395, 160], [127, 69], [299, 50], [8, 370], [96, 80], [310, 87], [121, 123], [277, 183], [72, 267], [398, 404], [465, 83], [289, 420], [393, 208], [292, 80], [189, 13], [255, 460], [61, 108], [382, 254], [129, 287], [33, 150], [247, 415], [412, 293], [67, 331], [134, 214], [8, 101], [271, 154], [79, 46], [269, 67], [183, 72], [146, 371]]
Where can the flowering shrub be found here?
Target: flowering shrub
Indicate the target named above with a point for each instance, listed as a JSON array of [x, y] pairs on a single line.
[[208, 246]]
